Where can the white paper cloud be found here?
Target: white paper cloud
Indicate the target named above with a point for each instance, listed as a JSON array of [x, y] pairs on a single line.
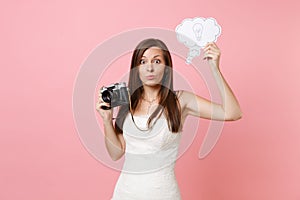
[[196, 33]]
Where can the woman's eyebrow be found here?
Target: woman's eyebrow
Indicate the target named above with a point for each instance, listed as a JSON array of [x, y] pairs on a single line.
[[153, 56]]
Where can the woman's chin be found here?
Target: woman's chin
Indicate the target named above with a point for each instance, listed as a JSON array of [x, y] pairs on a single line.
[[151, 84]]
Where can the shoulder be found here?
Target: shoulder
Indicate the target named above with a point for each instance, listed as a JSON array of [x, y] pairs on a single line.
[[188, 100], [184, 97]]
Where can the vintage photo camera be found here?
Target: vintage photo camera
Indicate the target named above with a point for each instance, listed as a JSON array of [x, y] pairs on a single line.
[[115, 94]]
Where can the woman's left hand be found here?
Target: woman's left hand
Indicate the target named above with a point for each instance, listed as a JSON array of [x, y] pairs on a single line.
[[212, 54]]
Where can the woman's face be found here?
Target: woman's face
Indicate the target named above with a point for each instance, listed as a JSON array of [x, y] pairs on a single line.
[[152, 66]]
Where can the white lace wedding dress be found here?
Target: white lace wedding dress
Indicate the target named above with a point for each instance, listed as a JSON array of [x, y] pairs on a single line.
[[148, 170]]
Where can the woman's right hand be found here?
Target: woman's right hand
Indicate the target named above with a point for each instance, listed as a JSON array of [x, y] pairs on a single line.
[[105, 114]]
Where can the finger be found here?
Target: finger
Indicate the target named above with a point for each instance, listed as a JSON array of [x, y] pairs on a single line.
[[214, 45], [210, 55], [100, 89], [98, 104], [103, 106], [208, 47], [104, 103], [215, 48], [208, 51], [212, 51], [99, 101], [209, 44], [211, 47]]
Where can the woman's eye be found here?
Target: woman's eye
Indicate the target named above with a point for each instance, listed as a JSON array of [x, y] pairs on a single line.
[[142, 62], [157, 61]]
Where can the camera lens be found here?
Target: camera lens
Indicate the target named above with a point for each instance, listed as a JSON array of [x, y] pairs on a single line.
[[106, 96]]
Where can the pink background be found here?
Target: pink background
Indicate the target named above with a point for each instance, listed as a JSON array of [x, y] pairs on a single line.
[[43, 44]]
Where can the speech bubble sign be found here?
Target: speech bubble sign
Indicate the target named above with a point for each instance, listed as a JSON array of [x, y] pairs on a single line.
[[196, 33]]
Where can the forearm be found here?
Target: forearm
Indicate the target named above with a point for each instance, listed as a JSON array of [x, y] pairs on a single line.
[[112, 141], [230, 105]]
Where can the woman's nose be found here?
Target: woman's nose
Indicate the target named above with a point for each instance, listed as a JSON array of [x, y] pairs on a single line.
[[150, 67]]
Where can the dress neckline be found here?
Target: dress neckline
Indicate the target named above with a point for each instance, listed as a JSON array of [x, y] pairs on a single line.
[[141, 115], [147, 116]]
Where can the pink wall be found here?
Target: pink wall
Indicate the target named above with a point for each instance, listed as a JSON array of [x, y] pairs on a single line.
[[43, 44]]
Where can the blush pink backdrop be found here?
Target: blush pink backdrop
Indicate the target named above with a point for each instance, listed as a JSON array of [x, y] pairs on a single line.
[[43, 44]]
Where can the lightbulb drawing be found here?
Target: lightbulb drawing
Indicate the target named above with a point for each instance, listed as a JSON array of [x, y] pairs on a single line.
[[198, 28]]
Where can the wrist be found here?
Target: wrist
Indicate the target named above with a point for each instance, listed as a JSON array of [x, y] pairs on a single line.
[[215, 68], [107, 122]]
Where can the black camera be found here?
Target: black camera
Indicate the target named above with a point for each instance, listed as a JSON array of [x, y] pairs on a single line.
[[115, 94]]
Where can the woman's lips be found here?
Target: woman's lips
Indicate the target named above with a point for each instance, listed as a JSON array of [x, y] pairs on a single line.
[[150, 77]]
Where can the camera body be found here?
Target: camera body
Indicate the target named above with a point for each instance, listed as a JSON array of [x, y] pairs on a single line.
[[115, 94]]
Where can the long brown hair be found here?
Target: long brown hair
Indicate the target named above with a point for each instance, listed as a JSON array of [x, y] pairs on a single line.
[[168, 102]]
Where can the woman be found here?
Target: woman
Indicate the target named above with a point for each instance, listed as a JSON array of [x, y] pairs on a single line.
[[148, 130]]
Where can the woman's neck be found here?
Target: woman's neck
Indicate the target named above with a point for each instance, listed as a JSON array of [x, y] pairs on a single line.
[[150, 93]]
